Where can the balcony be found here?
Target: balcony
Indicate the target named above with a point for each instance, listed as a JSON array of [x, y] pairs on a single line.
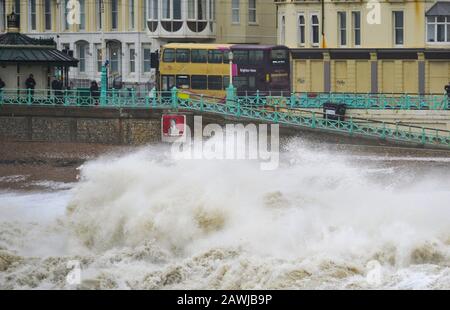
[[181, 29], [176, 19]]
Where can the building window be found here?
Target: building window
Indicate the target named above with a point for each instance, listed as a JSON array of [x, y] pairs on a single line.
[[356, 28], [16, 9], [301, 29], [98, 13], [235, 11], [153, 10], [82, 14], [115, 56], [114, 14], [65, 13], [315, 29], [212, 10], [2, 16], [172, 9], [398, 27], [82, 51], [132, 59], [342, 21], [283, 30], [131, 10], [99, 56], [147, 59], [48, 14], [438, 29], [252, 11], [32, 17]]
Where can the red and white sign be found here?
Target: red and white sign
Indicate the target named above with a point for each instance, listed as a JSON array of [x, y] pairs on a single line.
[[173, 127]]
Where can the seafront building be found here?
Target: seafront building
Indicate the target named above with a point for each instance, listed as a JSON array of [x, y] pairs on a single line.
[[129, 33], [388, 46]]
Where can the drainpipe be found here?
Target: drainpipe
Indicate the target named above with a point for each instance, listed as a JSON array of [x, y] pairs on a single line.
[[323, 23]]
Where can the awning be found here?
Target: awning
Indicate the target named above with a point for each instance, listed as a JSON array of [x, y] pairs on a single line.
[[439, 9]]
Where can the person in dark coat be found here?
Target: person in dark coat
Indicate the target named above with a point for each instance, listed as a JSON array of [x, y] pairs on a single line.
[[57, 86], [30, 84], [2, 85], [447, 89], [95, 92]]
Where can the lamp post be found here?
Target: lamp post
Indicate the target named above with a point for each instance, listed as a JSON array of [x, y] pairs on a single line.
[[230, 89], [230, 58]]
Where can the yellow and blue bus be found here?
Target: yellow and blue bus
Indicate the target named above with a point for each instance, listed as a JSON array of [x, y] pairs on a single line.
[[204, 68]]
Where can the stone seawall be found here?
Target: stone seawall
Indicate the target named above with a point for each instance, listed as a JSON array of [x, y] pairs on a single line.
[[97, 126]]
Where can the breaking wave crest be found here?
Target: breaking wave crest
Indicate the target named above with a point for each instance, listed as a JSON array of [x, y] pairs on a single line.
[[142, 221]]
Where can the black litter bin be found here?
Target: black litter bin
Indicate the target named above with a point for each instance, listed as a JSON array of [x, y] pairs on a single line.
[[334, 111]]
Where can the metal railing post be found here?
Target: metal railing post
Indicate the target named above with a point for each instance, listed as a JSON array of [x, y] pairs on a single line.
[[174, 93]]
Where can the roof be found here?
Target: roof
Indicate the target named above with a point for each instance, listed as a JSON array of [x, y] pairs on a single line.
[[438, 9], [197, 45], [16, 47], [257, 46]]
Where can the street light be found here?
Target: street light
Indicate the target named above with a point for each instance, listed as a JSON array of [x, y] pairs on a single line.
[[230, 57]]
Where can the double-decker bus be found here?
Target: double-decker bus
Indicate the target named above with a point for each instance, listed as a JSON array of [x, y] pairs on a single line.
[[204, 68]]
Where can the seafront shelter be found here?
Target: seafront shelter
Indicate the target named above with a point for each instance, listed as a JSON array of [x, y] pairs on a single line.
[[21, 55]]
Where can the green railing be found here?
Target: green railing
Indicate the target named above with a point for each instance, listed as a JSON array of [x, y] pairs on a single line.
[[231, 106], [351, 100]]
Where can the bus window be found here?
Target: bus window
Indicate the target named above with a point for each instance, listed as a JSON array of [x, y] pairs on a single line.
[[279, 56], [226, 59], [215, 56], [198, 82], [252, 82], [169, 55], [183, 82], [240, 82], [255, 57], [199, 56], [168, 82], [183, 55], [240, 57], [214, 82], [226, 82]]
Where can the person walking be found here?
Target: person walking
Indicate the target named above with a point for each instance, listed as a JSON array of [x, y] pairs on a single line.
[[30, 84]]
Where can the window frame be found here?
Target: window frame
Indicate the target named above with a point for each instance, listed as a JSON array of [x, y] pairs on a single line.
[[32, 15], [48, 16], [312, 25], [435, 23], [132, 58], [301, 28], [342, 28], [356, 30], [235, 8], [252, 10], [394, 24]]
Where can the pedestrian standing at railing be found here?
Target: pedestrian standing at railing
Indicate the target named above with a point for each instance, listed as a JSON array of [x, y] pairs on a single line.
[[95, 93], [2, 85], [30, 84], [57, 86]]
